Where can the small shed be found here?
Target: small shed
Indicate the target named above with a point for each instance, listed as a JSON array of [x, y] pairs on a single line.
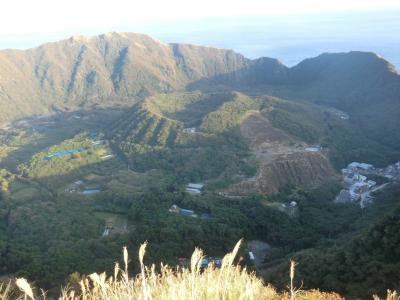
[[174, 209], [251, 255]]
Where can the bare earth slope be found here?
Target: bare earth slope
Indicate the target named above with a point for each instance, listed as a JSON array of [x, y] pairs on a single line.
[[281, 161]]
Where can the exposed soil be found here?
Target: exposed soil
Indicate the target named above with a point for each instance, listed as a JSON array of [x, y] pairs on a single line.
[[259, 131], [282, 160]]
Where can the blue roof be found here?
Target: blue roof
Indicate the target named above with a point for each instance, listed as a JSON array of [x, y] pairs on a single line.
[[204, 262], [93, 133], [62, 153]]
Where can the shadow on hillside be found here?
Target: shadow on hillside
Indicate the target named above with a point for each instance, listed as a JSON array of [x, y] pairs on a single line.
[[262, 76], [372, 106], [193, 113]]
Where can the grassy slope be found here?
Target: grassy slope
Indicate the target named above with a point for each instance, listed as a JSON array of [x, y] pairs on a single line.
[[229, 282]]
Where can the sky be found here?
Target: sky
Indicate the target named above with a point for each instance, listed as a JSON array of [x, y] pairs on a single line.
[[252, 27]]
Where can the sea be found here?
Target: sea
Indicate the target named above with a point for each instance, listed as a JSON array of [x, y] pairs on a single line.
[[293, 38], [289, 38]]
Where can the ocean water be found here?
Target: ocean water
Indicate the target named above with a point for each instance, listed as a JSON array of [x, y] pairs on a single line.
[[289, 38], [292, 38]]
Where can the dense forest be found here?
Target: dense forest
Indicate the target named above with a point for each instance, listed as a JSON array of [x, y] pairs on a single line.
[[111, 162], [361, 262]]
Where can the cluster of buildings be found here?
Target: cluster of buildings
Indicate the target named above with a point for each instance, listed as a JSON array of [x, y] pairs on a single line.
[[357, 186], [391, 172], [194, 188]]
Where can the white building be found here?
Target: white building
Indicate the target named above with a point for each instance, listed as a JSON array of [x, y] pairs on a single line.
[[316, 148], [194, 188], [193, 191], [357, 165], [371, 183], [198, 186]]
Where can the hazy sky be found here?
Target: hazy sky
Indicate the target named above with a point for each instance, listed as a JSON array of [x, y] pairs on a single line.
[[288, 29], [53, 16]]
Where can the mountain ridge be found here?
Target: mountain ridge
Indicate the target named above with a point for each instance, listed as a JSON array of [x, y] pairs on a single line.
[[122, 69], [82, 72], [115, 68]]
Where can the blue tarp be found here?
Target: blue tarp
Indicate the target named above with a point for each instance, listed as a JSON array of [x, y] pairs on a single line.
[[93, 134], [204, 262], [62, 153]]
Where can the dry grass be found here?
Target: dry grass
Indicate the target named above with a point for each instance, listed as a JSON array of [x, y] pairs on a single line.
[[5, 291], [229, 282]]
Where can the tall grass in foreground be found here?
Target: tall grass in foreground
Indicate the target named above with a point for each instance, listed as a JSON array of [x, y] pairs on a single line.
[[229, 282]]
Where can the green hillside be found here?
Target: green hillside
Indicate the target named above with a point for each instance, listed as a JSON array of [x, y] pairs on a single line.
[[156, 134], [362, 84], [124, 68], [102, 136]]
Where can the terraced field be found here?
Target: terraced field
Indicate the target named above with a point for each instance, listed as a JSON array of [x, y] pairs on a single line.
[[140, 126]]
